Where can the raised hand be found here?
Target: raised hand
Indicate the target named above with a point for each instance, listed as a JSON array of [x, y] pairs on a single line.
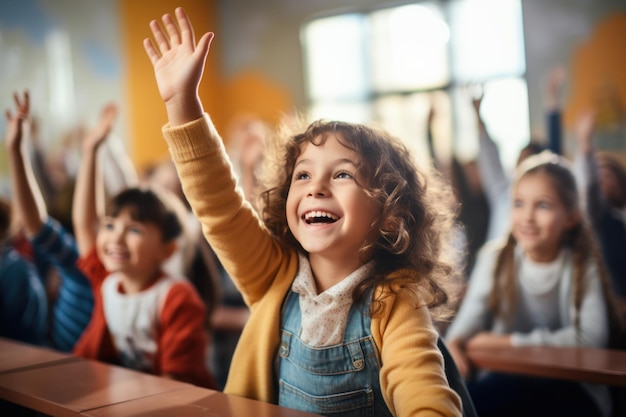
[[15, 122], [101, 131], [178, 64]]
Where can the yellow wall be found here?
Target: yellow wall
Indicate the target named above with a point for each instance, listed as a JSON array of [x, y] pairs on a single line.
[[249, 93], [598, 81], [146, 110]]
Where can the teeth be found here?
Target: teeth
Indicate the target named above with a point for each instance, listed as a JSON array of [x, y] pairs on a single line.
[[317, 214]]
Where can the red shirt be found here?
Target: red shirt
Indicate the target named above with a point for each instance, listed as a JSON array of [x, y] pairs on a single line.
[[182, 338]]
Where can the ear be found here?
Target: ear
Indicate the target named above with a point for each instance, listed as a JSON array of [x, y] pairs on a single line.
[[168, 249]]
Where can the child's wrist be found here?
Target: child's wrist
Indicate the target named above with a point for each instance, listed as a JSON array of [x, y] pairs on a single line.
[[183, 110]]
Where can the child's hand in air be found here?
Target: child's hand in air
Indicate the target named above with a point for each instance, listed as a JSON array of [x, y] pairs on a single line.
[[15, 122], [178, 65], [101, 131]]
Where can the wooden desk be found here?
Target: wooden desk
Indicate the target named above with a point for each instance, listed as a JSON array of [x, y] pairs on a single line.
[[194, 402], [601, 366], [72, 387], [59, 384], [15, 356]]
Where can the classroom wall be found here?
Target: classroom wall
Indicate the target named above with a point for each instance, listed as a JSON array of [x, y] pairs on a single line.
[[585, 36], [145, 107], [255, 65], [67, 53]]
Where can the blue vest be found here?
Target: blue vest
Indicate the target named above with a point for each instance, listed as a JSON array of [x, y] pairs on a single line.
[[339, 380]]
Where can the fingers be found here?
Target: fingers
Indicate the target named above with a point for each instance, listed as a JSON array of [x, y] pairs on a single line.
[[186, 29], [160, 38], [204, 44], [22, 105], [172, 30], [151, 51]]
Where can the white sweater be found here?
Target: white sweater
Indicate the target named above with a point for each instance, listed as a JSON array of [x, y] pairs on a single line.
[[545, 310]]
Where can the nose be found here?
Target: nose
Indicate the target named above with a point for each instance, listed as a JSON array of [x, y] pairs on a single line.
[[318, 188], [528, 213], [117, 234]]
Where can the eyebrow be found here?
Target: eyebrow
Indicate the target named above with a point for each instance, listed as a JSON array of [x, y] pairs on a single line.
[[339, 161]]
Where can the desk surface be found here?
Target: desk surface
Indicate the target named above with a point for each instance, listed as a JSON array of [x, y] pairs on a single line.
[[59, 384], [194, 402], [600, 366], [80, 385], [16, 356]]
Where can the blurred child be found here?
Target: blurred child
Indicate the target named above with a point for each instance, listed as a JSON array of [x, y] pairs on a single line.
[[604, 180], [23, 303], [73, 302], [343, 267], [143, 319], [545, 285]]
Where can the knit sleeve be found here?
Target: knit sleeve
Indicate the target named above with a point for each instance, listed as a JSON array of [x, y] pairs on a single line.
[[412, 375], [58, 246], [183, 337], [93, 268], [473, 315], [231, 226]]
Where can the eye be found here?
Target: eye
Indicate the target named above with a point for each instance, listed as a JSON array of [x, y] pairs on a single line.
[[107, 225], [517, 203], [544, 205], [301, 176], [135, 230], [344, 174]]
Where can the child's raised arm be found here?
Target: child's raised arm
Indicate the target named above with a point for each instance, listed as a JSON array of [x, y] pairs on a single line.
[[84, 208], [28, 199], [178, 65]]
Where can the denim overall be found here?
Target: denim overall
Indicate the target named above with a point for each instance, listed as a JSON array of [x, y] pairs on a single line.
[[339, 380]]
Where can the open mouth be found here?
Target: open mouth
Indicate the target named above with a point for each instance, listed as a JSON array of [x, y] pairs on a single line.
[[116, 254], [316, 217]]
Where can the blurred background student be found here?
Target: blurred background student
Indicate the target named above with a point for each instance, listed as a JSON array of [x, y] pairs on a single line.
[[545, 284]]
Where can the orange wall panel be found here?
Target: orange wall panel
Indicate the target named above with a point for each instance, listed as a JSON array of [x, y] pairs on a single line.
[[147, 112]]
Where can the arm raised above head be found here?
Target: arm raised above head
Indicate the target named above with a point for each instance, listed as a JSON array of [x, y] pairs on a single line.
[[28, 200], [178, 64], [84, 207]]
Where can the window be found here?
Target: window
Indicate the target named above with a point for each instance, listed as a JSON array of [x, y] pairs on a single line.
[[391, 65]]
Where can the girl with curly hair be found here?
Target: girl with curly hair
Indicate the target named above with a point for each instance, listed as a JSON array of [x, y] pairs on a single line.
[[342, 267]]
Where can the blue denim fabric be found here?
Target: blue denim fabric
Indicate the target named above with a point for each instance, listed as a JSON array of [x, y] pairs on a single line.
[[339, 380]]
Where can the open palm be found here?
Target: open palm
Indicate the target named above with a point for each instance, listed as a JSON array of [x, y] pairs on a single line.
[[178, 62]]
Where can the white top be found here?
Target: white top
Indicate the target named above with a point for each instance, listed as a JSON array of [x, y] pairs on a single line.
[[545, 311], [133, 320], [324, 316]]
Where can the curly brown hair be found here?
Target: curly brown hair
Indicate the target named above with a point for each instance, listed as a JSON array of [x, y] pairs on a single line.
[[416, 218]]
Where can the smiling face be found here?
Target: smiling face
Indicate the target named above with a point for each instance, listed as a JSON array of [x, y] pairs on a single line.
[[134, 249], [539, 217], [327, 212]]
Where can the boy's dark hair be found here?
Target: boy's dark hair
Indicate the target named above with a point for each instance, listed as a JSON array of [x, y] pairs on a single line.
[[146, 206]]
